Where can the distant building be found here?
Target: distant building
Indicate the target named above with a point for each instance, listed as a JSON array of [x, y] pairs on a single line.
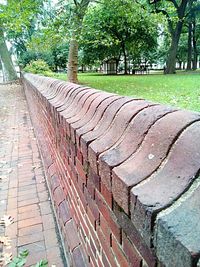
[[110, 66]]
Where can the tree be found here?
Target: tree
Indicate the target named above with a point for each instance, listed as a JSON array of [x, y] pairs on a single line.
[[117, 28], [79, 10], [9, 71], [176, 13], [16, 17]]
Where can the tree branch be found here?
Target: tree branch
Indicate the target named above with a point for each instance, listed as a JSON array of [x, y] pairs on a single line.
[[174, 3], [170, 24]]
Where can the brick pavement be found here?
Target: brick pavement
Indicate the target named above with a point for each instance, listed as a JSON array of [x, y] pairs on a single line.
[[23, 190]]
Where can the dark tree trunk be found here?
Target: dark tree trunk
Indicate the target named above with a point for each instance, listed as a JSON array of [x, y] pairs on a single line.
[[175, 37], [125, 59], [189, 51], [194, 41], [171, 60]]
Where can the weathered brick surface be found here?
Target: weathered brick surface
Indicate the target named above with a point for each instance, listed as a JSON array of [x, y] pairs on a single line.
[[172, 179], [151, 154], [113, 164]]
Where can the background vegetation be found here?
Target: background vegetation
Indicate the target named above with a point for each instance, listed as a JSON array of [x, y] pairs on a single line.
[[50, 37]]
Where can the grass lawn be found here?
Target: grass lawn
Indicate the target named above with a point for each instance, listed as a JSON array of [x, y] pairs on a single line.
[[180, 90]]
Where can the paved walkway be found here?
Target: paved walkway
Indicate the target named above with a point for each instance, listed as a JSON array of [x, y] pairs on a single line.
[[23, 190]]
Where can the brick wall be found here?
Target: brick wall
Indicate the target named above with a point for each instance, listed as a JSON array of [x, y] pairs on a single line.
[[120, 171]]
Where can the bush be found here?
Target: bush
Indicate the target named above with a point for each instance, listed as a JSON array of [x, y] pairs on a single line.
[[38, 67]]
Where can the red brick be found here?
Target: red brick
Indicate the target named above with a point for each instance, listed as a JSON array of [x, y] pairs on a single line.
[[48, 221], [84, 225], [92, 205], [53, 253], [131, 253], [55, 182], [80, 169], [104, 123], [12, 230], [92, 256], [105, 229], [30, 230], [58, 195], [28, 202], [50, 238], [91, 217], [133, 171], [106, 250], [107, 195], [64, 212], [121, 258], [80, 156], [35, 257], [115, 131], [29, 222], [45, 207], [100, 263], [94, 179], [43, 196], [71, 235], [87, 113], [105, 261], [134, 236], [28, 208], [29, 239], [78, 257], [93, 247], [108, 215], [27, 197]]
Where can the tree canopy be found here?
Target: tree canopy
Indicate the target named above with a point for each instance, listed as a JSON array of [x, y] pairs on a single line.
[[128, 32]]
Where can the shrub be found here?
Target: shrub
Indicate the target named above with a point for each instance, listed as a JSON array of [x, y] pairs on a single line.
[[38, 67]]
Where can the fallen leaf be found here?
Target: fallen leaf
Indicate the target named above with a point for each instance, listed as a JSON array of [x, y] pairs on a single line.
[[6, 220], [5, 240], [5, 258]]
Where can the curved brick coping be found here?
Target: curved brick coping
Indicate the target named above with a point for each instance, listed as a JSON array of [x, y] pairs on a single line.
[[139, 158]]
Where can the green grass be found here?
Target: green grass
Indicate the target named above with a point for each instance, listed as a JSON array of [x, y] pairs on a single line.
[[180, 90]]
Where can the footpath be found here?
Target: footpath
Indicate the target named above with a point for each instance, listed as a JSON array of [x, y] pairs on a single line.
[[26, 217]]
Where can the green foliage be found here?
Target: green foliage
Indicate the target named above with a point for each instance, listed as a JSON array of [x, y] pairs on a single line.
[[20, 260], [55, 57], [115, 27], [42, 263], [19, 15], [37, 66]]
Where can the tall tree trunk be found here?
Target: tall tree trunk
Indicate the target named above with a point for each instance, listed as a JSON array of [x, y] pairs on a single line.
[[189, 51], [9, 71], [125, 59], [171, 60], [79, 13], [72, 69], [180, 64], [175, 36], [194, 41]]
